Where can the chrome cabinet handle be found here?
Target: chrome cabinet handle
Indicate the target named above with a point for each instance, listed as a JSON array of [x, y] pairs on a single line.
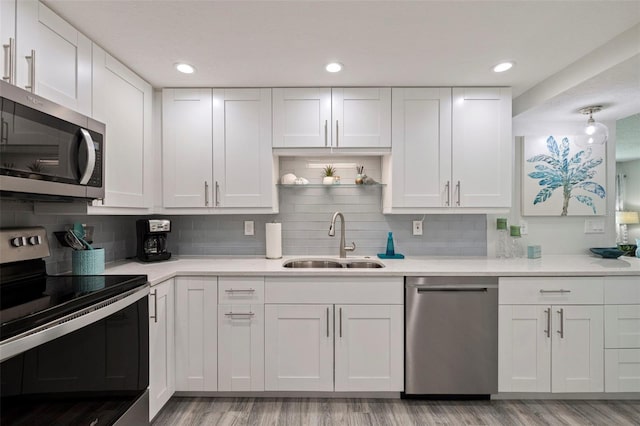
[[244, 314], [548, 330], [447, 190], [341, 323], [9, 52], [458, 191], [206, 193], [240, 290], [217, 195], [562, 291], [327, 322], [32, 72], [326, 137], [155, 306], [91, 157], [337, 134], [561, 331], [4, 136]]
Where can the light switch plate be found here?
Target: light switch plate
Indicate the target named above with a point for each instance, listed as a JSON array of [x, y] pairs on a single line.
[[594, 226], [248, 227], [524, 227], [417, 227]]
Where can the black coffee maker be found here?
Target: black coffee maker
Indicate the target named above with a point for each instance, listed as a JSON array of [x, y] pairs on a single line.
[[152, 239]]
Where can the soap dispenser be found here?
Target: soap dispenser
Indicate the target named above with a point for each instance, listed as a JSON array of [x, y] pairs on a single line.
[[390, 250]]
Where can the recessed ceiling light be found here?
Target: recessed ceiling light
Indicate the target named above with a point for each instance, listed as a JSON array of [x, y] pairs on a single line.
[[503, 66], [334, 67], [185, 68]]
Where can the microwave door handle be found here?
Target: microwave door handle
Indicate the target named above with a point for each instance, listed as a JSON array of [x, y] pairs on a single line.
[[91, 157]]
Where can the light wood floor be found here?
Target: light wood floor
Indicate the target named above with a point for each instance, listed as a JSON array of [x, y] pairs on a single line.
[[318, 411]]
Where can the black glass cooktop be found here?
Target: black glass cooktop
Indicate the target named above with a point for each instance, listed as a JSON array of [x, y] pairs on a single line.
[[34, 301]]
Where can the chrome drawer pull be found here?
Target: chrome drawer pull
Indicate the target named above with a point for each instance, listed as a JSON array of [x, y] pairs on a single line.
[[240, 290], [244, 314], [555, 291]]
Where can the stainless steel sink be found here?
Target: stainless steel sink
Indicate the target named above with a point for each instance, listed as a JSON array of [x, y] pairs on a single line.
[[363, 264], [332, 264], [312, 264]]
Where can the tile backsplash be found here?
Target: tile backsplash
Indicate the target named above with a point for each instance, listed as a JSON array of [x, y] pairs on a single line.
[[305, 213]]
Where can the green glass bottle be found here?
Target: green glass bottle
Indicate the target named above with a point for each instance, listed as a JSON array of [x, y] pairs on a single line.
[[390, 250]]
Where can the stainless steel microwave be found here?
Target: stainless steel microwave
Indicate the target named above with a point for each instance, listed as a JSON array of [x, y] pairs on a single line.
[[48, 151]]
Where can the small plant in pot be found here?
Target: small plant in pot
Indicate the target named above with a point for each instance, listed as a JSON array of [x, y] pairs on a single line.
[[328, 175]]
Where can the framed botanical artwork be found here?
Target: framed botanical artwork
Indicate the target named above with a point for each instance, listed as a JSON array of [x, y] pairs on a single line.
[[562, 178]]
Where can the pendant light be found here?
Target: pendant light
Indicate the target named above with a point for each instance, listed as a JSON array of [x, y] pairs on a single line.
[[593, 132]]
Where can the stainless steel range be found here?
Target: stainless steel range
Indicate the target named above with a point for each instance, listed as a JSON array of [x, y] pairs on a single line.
[[74, 349]]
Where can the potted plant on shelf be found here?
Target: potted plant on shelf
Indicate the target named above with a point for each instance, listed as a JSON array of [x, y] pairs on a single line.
[[328, 175]]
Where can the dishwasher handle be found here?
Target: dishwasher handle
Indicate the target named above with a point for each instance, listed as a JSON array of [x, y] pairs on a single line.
[[450, 289]]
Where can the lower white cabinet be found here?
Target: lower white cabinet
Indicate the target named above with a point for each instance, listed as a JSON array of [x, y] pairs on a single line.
[[547, 347], [622, 370], [196, 334], [161, 346]]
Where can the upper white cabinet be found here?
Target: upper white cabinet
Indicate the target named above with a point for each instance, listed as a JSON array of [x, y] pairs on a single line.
[[354, 117], [217, 148], [53, 59], [451, 148], [8, 40], [122, 101]]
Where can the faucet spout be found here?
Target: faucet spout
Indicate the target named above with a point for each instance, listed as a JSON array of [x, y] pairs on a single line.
[[332, 227]]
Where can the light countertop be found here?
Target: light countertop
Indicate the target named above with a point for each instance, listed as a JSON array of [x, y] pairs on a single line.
[[550, 265]]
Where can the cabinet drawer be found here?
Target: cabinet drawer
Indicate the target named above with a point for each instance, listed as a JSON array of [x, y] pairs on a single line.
[[622, 370], [240, 290], [622, 326], [622, 290], [351, 290], [551, 291]]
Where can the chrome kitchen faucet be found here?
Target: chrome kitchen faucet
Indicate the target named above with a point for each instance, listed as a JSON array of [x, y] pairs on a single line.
[[332, 232]]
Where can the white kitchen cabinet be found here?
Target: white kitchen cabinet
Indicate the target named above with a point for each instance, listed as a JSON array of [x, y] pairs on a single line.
[[242, 159], [301, 117], [53, 59], [299, 347], [622, 370], [369, 344], [161, 346], [122, 101], [546, 347], [196, 334], [8, 40], [482, 147], [353, 117], [452, 148], [187, 152], [241, 333], [421, 151]]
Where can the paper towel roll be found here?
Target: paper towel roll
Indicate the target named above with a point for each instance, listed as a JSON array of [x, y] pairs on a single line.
[[274, 240]]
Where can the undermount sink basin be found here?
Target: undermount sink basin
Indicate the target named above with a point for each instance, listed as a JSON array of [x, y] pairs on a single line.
[[332, 264]]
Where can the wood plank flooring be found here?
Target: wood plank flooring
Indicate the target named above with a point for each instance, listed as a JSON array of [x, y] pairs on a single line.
[[318, 411]]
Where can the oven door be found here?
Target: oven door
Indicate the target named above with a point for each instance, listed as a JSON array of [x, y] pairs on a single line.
[[95, 373]]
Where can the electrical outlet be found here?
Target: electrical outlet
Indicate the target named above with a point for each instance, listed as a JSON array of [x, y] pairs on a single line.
[[417, 227], [248, 227], [524, 227]]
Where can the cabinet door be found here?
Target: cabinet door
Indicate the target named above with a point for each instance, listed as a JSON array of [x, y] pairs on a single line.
[[524, 348], [187, 159], [240, 347], [196, 334], [8, 38], [622, 370], [243, 163], [482, 147], [161, 347], [298, 347], [577, 355], [62, 56], [361, 117], [122, 101], [369, 348], [622, 326], [421, 151], [301, 117]]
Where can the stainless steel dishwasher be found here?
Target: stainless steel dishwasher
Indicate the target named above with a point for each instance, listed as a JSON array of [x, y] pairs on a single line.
[[451, 336]]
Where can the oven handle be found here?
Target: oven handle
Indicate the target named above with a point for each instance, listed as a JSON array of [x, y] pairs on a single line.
[[91, 157], [69, 323]]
